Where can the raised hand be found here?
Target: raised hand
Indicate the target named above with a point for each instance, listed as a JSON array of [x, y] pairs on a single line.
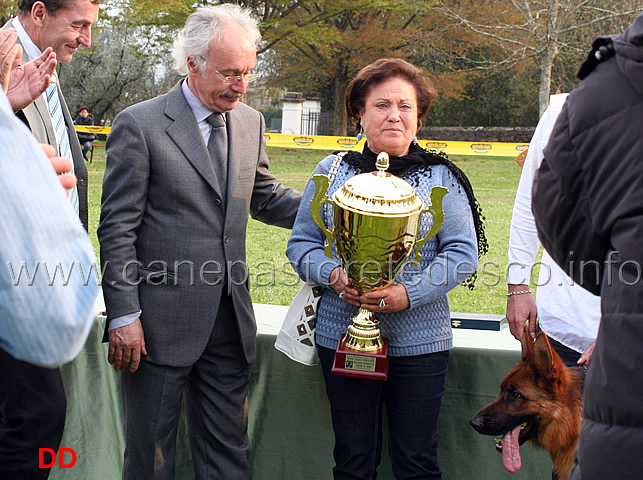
[[23, 83]]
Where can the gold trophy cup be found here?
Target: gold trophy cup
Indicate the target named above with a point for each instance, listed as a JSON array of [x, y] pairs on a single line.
[[376, 217]]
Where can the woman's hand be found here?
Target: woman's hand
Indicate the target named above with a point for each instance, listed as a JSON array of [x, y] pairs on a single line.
[[342, 286], [391, 299]]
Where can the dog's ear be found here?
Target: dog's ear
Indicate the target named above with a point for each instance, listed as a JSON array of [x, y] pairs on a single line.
[[546, 361], [527, 345]]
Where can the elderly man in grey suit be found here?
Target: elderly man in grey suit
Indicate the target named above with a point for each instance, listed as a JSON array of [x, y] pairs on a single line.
[[184, 170], [32, 399]]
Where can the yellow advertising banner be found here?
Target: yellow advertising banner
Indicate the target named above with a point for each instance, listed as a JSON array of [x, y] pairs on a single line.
[[330, 143], [490, 149], [96, 130]]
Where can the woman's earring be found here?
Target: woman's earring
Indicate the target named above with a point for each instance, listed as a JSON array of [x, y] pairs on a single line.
[[415, 140], [360, 135]]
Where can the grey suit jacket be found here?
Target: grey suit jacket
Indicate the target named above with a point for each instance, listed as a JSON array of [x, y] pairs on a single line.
[[169, 241], [37, 118]]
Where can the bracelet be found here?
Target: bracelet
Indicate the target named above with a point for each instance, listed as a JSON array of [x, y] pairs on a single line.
[[519, 292]]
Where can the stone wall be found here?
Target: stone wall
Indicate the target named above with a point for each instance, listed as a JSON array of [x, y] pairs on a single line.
[[477, 134]]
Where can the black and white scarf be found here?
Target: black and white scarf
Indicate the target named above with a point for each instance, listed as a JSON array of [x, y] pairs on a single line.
[[418, 157]]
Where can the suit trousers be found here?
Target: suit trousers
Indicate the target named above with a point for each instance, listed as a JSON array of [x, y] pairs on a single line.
[[215, 390], [32, 416]]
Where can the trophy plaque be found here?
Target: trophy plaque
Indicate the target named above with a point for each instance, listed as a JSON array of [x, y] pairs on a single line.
[[376, 217]]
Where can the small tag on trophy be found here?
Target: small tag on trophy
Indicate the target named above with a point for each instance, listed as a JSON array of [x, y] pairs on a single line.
[[357, 362], [353, 363]]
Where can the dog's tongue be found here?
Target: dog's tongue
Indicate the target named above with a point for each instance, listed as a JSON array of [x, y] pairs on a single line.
[[511, 450]]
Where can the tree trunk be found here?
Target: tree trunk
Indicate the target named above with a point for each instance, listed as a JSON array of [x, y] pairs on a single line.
[[548, 57], [545, 76], [339, 118]]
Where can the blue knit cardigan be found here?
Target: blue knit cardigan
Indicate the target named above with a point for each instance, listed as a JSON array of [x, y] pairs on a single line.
[[447, 260]]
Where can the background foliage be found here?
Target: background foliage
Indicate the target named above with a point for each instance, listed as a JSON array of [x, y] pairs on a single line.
[[494, 61]]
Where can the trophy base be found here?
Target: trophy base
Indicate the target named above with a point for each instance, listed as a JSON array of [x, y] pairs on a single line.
[[355, 363], [363, 334]]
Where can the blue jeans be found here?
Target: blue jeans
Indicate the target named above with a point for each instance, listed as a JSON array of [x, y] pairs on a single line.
[[412, 394], [87, 146]]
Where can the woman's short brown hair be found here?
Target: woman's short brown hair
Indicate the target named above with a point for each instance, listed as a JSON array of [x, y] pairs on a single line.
[[380, 71]]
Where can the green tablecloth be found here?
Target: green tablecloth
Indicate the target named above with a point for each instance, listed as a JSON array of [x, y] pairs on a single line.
[[289, 419]]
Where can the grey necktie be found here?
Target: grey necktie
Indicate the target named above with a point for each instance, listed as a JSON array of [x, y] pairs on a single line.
[[218, 149]]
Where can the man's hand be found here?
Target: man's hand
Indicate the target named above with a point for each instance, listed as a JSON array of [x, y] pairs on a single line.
[[587, 355], [10, 56], [126, 345], [23, 83], [63, 167], [520, 309]]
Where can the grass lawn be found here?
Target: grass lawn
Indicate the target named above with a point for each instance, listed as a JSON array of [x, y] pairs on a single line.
[[494, 180]]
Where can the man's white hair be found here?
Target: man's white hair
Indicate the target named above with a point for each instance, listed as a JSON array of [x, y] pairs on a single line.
[[204, 26]]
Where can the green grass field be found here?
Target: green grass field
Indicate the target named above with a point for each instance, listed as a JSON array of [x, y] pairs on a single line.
[[494, 180]]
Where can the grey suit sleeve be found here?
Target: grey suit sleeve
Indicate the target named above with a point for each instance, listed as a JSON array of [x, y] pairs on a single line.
[[125, 187], [272, 202]]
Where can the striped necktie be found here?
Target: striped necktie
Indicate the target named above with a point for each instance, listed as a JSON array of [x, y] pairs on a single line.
[[62, 134]]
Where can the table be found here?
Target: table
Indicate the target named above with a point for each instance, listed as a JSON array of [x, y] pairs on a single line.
[[289, 418]]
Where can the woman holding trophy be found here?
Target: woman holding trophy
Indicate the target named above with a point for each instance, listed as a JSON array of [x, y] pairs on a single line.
[[401, 278]]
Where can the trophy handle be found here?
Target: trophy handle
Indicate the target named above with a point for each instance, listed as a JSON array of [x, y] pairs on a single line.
[[436, 210], [318, 201]]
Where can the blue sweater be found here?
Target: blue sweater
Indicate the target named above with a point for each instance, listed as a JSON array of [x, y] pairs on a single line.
[[447, 259]]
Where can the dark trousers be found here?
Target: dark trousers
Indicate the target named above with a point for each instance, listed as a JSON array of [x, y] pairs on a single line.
[[215, 389], [412, 394], [568, 355], [32, 416]]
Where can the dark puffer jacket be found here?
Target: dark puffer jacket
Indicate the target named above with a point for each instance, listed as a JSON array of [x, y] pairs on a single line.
[[588, 205], [85, 122]]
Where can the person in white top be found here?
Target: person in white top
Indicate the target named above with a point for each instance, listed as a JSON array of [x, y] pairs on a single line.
[[567, 313]]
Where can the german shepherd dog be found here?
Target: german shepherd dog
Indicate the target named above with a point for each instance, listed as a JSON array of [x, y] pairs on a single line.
[[541, 400]]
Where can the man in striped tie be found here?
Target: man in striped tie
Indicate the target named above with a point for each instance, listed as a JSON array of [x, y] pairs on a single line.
[[32, 412]]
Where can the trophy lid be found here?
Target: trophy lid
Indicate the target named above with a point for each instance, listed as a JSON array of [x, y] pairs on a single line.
[[379, 193]]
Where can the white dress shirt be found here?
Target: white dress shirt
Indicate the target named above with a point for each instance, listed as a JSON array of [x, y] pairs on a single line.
[[566, 312]]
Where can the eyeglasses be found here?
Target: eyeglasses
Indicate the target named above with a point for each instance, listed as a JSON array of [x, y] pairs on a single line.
[[230, 79]]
